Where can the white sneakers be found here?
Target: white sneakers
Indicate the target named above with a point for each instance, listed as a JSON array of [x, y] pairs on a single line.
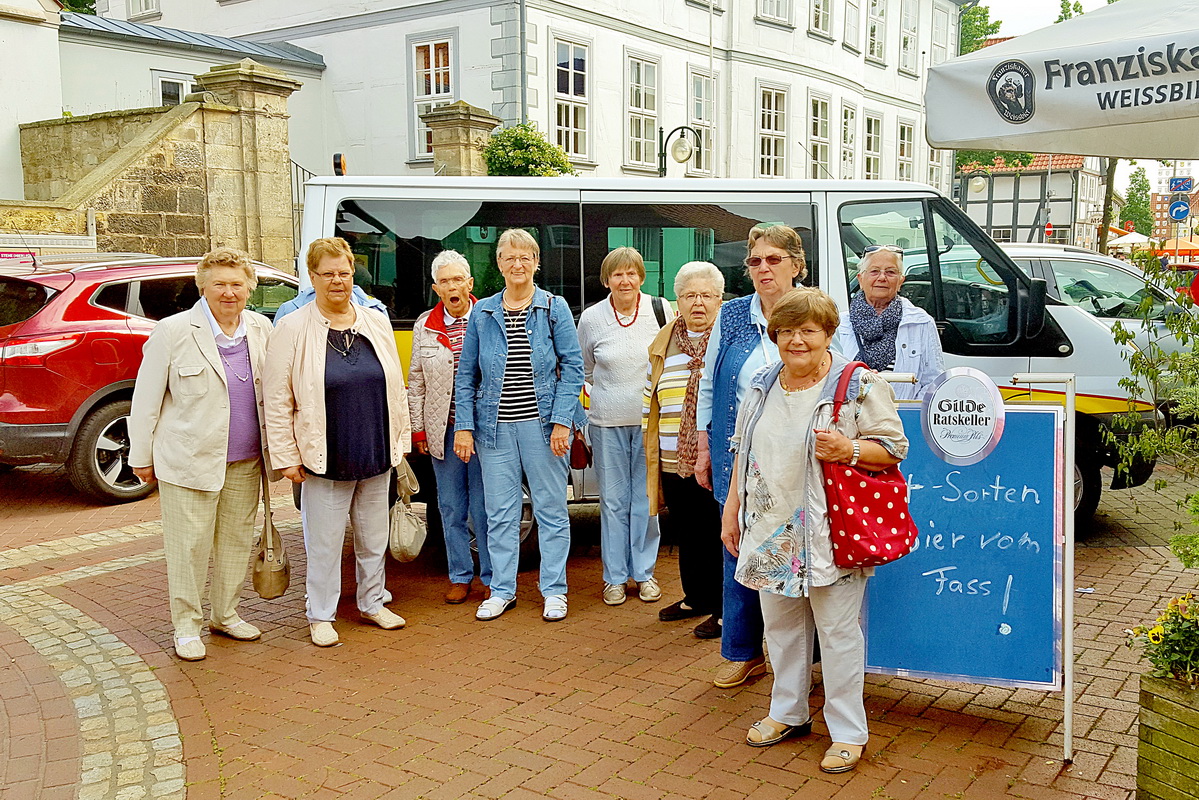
[[386, 619], [190, 648], [614, 594], [649, 591], [322, 633]]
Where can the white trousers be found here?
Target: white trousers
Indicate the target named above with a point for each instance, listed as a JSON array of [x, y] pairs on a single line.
[[791, 623], [325, 507]]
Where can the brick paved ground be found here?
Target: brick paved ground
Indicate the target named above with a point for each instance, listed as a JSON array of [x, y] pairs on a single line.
[[609, 703]]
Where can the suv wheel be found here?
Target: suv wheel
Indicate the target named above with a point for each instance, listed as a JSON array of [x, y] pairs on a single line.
[[1088, 486], [99, 461]]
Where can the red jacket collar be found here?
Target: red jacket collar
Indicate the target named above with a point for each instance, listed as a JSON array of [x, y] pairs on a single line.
[[436, 320]]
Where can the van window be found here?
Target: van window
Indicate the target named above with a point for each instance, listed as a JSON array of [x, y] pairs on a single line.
[[395, 241], [951, 270], [670, 235], [1106, 290]]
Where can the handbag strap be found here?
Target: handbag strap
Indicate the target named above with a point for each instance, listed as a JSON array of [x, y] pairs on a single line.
[[843, 387], [269, 527]]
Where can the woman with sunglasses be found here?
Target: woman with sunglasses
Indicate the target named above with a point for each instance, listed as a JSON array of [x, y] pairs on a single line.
[[888, 332], [737, 348]]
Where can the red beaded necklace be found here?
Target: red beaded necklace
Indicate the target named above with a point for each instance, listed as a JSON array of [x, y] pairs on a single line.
[[636, 312]]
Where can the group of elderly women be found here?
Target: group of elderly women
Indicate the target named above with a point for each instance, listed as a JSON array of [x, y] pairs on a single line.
[[721, 414]]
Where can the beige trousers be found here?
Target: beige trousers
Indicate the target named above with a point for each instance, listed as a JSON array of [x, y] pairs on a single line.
[[197, 525]]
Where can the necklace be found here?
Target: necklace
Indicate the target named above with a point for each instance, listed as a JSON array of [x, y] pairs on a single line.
[[636, 312], [524, 304], [806, 383], [349, 337], [242, 378]]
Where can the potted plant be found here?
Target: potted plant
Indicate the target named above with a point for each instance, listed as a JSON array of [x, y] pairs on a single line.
[[1168, 739]]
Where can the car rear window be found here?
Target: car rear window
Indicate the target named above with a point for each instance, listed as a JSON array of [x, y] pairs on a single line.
[[20, 300]]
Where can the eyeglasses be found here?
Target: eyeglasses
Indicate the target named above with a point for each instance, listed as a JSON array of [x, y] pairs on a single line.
[[890, 248], [875, 272], [457, 280], [328, 277], [691, 297], [771, 260], [508, 261], [786, 334]]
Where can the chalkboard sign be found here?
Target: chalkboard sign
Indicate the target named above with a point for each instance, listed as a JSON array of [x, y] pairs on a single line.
[[980, 598]]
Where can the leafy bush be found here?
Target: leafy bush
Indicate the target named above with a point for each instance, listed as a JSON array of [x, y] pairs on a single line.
[[1172, 644], [524, 150]]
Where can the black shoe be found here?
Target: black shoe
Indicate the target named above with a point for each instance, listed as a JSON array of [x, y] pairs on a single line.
[[677, 611], [709, 628]]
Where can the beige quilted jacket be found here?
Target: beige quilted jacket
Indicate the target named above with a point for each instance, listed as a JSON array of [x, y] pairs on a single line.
[[430, 382]]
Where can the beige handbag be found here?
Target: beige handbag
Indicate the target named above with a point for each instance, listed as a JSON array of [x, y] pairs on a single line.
[[271, 571], [407, 528]]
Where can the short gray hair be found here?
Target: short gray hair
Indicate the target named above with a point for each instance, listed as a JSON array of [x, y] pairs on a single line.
[[869, 257], [226, 257], [446, 258], [699, 270]]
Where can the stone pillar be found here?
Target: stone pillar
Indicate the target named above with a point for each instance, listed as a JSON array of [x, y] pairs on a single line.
[[248, 160], [460, 131]]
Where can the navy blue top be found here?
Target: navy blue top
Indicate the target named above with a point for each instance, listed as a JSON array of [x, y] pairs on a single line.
[[356, 417]]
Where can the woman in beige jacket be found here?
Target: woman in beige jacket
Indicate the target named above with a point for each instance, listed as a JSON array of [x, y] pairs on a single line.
[[197, 427], [337, 422]]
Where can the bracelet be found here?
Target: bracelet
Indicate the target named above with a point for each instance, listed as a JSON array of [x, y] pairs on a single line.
[[857, 453]]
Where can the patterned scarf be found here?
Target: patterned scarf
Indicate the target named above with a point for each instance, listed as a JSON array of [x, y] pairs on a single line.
[[875, 332], [694, 347]]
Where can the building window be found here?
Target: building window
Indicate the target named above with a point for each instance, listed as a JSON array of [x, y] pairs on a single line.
[[777, 10], [940, 47], [906, 168], [772, 132], [820, 140], [853, 19], [171, 89], [876, 29], [433, 88], [1001, 234], [570, 97], [822, 17], [936, 168], [909, 49], [849, 142], [140, 8], [643, 111], [703, 119], [874, 147]]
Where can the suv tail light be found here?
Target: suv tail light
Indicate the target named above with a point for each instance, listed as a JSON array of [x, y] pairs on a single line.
[[32, 352]]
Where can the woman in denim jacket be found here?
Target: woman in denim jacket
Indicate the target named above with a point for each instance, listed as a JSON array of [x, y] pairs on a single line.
[[517, 399]]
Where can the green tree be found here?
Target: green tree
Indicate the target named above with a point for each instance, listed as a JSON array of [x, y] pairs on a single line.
[[80, 6], [976, 28], [1070, 10], [989, 159], [1136, 203], [524, 150]]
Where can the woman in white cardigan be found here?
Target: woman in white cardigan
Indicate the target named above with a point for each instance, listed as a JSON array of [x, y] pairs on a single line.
[[197, 428], [615, 335]]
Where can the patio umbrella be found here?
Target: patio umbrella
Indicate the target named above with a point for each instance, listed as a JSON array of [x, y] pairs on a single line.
[[1129, 239], [1182, 247], [1120, 81]]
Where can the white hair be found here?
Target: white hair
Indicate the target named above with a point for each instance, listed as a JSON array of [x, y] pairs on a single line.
[[444, 259], [866, 259], [699, 270]]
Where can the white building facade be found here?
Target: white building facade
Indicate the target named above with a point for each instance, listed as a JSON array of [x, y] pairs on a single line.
[[774, 88]]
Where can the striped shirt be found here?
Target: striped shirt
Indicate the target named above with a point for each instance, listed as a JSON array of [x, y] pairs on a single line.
[[671, 392], [456, 333], [518, 398]]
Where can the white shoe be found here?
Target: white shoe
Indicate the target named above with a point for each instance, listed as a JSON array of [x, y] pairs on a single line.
[[323, 634], [649, 591], [189, 648], [386, 619], [493, 607], [555, 608], [241, 630], [614, 594]]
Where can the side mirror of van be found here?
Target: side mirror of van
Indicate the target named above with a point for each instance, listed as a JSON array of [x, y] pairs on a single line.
[[1032, 307]]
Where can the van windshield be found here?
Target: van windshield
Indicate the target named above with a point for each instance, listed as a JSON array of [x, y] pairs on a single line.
[[20, 300]]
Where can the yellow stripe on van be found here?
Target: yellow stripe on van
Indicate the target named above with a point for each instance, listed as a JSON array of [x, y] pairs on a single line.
[[1083, 403]]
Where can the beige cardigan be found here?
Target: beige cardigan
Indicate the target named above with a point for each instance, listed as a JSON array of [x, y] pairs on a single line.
[[179, 423], [295, 387]]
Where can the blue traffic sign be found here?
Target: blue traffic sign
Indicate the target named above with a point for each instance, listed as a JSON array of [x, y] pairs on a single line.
[[1186, 184], [1180, 210]]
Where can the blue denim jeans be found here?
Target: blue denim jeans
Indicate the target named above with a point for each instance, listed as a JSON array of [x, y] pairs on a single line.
[[460, 497], [628, 534], [521, 449], [741, 626]]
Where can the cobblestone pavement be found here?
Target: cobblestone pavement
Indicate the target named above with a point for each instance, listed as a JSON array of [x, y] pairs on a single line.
[[610, 703]]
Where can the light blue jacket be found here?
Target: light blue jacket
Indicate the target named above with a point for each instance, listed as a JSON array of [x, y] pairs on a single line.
[[307, 295], [917, 348], [557, 367]]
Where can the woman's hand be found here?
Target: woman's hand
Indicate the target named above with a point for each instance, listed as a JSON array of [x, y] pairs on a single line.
[[294, 474], [730, 534], [560, 440], [144, 474], [703, 462], [422, 447], [464, 445], [834, 447]]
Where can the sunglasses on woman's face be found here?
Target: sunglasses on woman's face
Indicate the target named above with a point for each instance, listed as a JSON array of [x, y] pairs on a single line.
[[771, 260]]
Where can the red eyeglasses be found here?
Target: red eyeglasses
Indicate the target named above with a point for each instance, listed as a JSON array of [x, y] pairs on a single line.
[[771, 260]]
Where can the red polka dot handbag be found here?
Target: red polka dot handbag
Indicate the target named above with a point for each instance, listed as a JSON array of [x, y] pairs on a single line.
[[867, 511]]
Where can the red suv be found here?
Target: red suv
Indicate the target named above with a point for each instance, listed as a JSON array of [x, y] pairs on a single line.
[[71, 334]]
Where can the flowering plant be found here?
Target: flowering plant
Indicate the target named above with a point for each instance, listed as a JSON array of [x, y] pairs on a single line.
[[1172, 643]]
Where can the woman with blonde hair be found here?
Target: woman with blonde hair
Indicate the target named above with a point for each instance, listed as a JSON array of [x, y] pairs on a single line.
[[615, 335], [337, 422]]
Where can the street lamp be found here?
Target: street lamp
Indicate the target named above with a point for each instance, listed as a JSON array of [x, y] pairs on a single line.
[[681, 151]]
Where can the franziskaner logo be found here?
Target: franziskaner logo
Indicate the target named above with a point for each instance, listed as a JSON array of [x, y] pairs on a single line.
[[1011, 89]]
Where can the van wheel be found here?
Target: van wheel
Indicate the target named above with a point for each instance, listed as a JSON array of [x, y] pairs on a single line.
[[99, 462], [530, 551], [1088, 486]]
